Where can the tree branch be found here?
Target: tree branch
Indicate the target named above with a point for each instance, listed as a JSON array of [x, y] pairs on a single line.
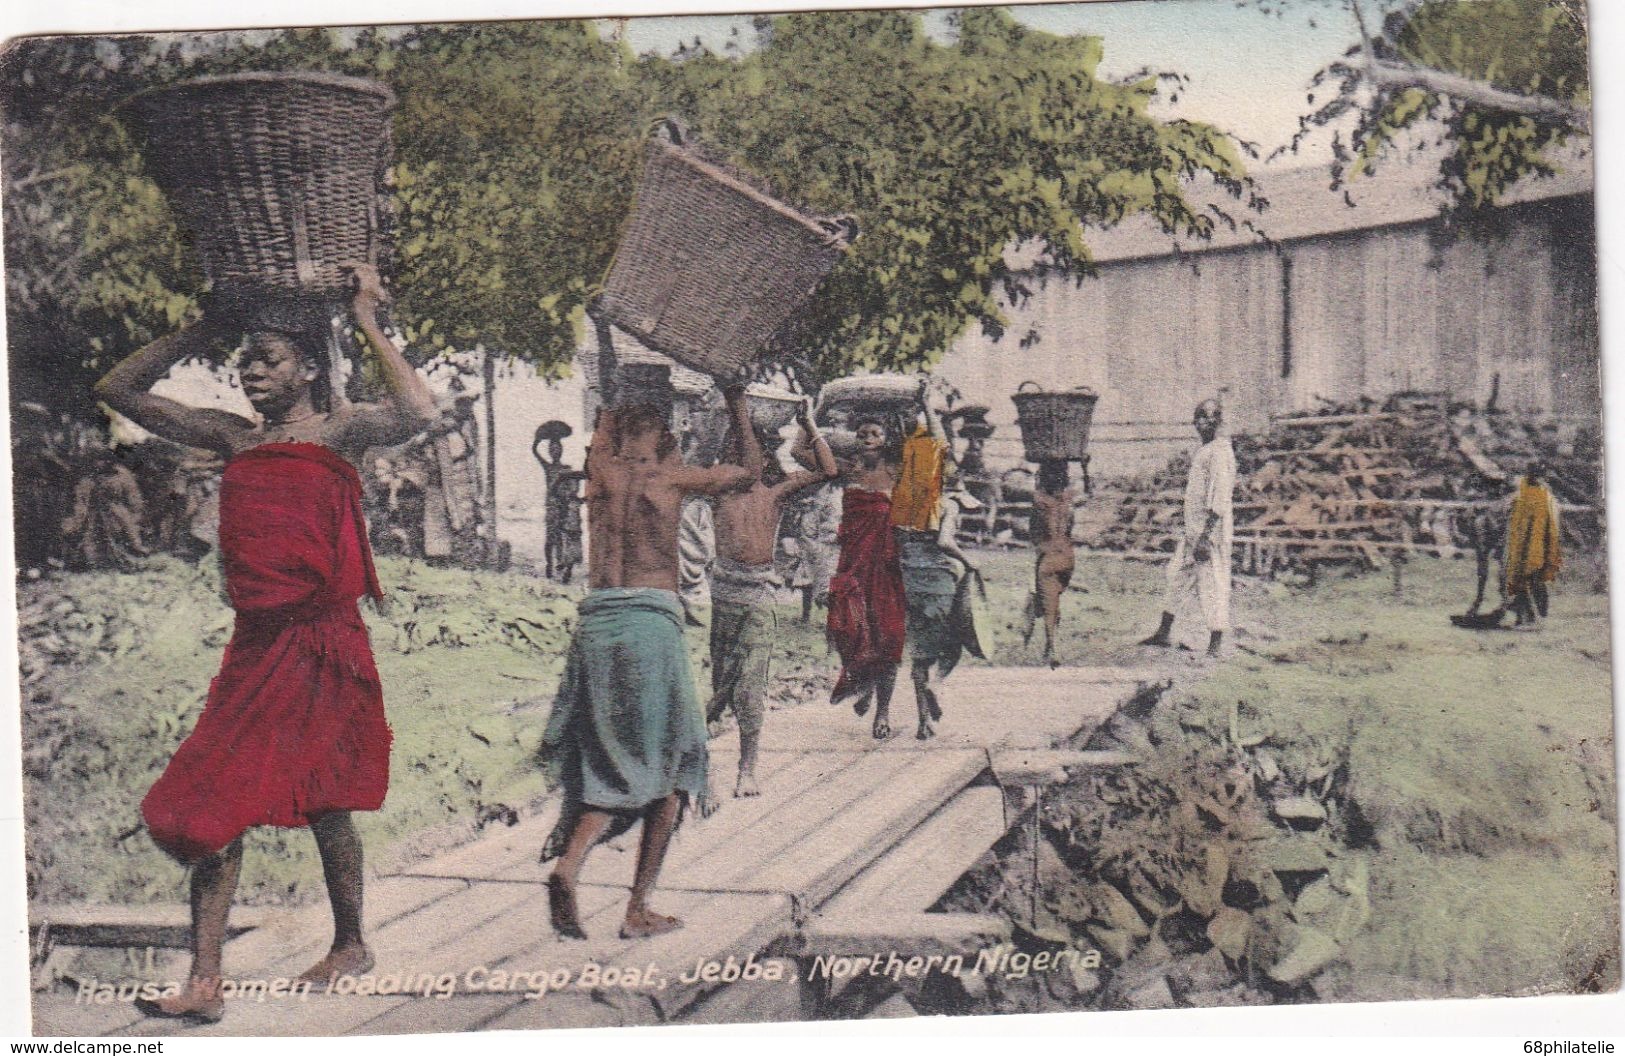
[[1400, 75], [1396, 75]]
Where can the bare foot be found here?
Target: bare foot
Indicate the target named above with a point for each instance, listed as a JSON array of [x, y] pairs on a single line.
[[1156, 640], [882, 730], [708, 803], [925, 732], [932, 707], [645, 923], [340, 960], [861, 705], [561, 908], [198, 1002], [746, 785]]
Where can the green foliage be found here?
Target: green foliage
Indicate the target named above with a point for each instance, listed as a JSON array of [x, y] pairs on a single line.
[[518, 147], [92, 258], [1533, 48], [946, 154]]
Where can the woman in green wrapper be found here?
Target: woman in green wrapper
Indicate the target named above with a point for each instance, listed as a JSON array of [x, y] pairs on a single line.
[[626, 738]]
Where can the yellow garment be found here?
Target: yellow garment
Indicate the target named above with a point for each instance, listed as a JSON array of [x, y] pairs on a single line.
[[916, 501], [1532, 538]]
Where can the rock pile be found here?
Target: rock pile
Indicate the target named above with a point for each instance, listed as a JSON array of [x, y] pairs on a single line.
[[1224, 869]]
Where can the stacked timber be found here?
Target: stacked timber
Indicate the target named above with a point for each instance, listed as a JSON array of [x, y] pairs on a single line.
[[1361, 485]]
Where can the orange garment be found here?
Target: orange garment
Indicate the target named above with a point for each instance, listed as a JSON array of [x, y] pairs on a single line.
[[916, 501], [1532, 538]]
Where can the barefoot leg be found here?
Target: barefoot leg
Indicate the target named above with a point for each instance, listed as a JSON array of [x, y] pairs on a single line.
[[658, 823], [750, 742], [561, 885], [885, 683], [924, 699], [340, 848], [1053, 585], [214, 882], [759, 632]]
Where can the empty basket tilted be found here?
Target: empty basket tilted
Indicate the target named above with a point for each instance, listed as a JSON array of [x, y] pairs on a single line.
[[275, 176], [1054, 425], [709, 268]]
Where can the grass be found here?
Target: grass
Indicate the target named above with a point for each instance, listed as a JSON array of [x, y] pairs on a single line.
[[1482, 761], [117, 667]]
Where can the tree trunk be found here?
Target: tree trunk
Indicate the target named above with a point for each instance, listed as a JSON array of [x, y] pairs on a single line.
[[493, 545]]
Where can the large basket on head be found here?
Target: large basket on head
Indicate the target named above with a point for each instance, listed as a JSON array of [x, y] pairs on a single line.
[[275, 176], [708, 267], [1054, 425]]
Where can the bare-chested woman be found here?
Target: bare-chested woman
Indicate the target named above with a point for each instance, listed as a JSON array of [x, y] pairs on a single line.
[[293, 733], [1051, 533], [626, 737], [744, 627]]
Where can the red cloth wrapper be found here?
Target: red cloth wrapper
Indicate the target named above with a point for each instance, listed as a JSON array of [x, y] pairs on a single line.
[[294, 724], [866, 604]]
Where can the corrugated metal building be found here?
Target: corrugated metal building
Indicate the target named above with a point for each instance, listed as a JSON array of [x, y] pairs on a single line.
[[1343, 301]]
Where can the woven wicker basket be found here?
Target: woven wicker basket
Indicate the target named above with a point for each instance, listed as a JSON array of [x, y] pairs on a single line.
[[771, 409], [276, 176], [640, 383], [709, 268], [1054, 425]]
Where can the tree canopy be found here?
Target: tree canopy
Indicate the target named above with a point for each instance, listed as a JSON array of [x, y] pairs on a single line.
[[1504, 82], [518, 147]]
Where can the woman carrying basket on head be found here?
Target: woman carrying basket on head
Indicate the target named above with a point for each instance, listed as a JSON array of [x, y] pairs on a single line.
[[866, 606], [293, 733]]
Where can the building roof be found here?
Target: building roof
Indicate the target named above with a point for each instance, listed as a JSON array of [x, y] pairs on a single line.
[[1303, 205]]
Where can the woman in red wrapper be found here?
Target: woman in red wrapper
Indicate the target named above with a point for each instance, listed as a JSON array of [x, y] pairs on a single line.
[[866, 606], [293, 732]]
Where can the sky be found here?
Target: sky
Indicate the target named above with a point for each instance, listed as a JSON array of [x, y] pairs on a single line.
[[1249, 69]]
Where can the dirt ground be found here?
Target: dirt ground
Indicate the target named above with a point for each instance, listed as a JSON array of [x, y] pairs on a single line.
[[1481, 762]]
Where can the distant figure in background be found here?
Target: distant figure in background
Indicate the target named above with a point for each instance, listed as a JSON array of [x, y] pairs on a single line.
[[398, 525], [174, 481], [1534, 552], [1484, 527], [933, 565], [927, 555], [866, 606], [744, 626], [103, 528], [451, 521], [1052, 539], [564, 535], [696, 556], [559, 505], [1200, 569], [818, 546]]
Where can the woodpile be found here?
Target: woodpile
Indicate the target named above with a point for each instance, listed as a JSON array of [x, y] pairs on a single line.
[[1365, 486]]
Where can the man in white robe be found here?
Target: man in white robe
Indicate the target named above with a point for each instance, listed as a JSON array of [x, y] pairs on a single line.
[[1200, 569]]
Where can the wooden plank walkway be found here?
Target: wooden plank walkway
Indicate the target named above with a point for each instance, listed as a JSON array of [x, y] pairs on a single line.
[[847, 834]]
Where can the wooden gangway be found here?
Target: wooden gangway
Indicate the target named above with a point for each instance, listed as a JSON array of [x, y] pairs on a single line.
[[850, 844]]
